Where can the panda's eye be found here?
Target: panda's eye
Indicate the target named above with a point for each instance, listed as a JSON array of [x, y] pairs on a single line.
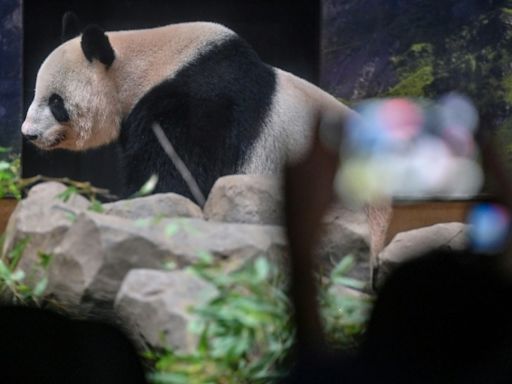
[[59, 112]]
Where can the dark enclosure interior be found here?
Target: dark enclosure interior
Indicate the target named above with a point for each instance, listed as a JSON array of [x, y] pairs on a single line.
[[285, 33]]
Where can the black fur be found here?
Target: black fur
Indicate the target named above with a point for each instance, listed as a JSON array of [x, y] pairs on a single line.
[[58, 109], [212, 111], [70, 26], [95, 45]]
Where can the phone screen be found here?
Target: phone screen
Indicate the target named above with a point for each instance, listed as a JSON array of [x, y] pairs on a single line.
[[411, 149]]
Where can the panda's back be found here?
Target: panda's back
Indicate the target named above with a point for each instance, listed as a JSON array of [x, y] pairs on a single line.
[[146, 57], [212, 108]]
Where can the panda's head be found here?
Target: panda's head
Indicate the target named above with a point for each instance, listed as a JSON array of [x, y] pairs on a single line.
[[75, 106]]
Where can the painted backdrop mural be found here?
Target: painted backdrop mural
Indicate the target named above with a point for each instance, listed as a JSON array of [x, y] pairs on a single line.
[[10, 72], [422, 48]]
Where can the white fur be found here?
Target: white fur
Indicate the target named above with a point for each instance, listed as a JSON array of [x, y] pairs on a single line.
[[89, 95], [296, 109]]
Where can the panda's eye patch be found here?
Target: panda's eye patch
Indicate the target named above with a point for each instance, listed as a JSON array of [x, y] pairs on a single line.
[[58, 109]]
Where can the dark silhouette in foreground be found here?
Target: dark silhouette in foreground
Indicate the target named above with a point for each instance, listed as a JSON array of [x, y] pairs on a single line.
[[41, 347], [441, 318]]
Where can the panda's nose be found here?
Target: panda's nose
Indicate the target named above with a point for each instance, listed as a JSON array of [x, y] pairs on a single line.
[[31, 137]]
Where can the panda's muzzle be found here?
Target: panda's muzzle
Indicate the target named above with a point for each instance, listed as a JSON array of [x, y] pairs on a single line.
[[43, 141], [31, 137]]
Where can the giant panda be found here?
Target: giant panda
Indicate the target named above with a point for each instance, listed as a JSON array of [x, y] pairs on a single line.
[[222, 108]]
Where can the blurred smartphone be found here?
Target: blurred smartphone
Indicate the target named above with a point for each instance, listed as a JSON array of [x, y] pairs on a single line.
[[417, 149], [410, 149]]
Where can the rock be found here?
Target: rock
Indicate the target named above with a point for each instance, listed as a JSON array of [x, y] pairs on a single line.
[[43, 219], [417, 242], [156, 306], [230, 242], [342, 291], [159, 205], [245, 199], [95, 255], [345, 233], [99, 250]]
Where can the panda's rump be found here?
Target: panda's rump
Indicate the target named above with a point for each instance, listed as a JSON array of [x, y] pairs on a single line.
[[212, 111], [298, 107]]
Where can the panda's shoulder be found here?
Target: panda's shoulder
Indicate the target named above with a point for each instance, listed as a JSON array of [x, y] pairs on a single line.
[[196, 29], [207, 26]]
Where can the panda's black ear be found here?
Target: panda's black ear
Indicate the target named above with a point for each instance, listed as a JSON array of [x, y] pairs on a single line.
[[70, 26], [96, 45]]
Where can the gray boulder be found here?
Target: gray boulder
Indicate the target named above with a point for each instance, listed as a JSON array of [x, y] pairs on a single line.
[[346, 292], [249, 199], [43, 219], [156, 306], [417, 242], [258, 200], [99, 250], [95, 255], [159, 205]]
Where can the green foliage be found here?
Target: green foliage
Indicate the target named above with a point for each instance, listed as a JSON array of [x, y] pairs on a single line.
[[18, 287], [344, 315], [503, 141], [414, 69], [246, 332], [147, 187], [419, 48], [9, 174], [507, 85], [67, 193], [96, 205], [75, 188], [413, 85]]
